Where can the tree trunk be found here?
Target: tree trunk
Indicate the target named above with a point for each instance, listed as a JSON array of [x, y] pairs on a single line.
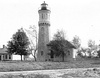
[[63, 57], [35, 54], [34, 58], [21, 57], [52, 55]]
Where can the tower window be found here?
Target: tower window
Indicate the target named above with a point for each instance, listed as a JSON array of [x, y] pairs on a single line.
[[42, 29], [42, 16], [41, 52]]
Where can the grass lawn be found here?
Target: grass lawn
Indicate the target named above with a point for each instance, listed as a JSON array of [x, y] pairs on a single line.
[[31, 65], [6, 66]]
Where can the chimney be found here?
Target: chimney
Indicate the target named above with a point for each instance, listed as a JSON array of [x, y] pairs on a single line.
[[4, 46]]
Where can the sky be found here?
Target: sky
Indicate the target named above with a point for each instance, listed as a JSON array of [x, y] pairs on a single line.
[[74, 17]]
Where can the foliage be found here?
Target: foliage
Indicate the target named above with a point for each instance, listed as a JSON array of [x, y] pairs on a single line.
[[11, 47], [60, 35], [76, 42], [98, 53], [18, 44], [91, 43], [82, 52], [59, 46], [92, 48]]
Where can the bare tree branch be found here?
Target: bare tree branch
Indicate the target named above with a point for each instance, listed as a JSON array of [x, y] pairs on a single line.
[[32, 32]]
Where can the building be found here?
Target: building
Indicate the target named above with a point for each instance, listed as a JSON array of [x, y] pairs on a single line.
[[43, 36], [4, 55], [68, 53]]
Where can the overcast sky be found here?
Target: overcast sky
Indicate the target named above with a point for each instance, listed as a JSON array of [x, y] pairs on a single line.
[[75, 17]]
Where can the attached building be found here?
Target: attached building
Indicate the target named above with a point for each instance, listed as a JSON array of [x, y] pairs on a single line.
[[68, 56]]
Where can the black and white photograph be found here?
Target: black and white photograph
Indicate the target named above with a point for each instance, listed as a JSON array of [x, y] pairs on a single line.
[[49, 38]]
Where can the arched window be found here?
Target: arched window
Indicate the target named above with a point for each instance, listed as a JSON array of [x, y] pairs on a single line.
[[41, 53], [42, 29]]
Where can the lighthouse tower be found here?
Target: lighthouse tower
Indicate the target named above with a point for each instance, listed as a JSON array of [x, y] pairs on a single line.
[[43, 36]]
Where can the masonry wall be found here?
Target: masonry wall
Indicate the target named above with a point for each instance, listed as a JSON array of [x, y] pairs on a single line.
[[66, 58]]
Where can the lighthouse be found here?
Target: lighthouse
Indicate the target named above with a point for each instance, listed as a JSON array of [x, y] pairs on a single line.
[[43, 35]]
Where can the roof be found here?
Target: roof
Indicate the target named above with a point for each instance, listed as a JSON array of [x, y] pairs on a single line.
[[44, 3], [44, 6], [70, 45], [66, 42], [3, 50]]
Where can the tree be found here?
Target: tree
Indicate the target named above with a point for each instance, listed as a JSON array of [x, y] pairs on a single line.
[[92, 46], [91, 43], [76, 41], [11, 47], [59, 46], [98, 53], [32, 34], [82, 52], [18, 44], [60, 35]]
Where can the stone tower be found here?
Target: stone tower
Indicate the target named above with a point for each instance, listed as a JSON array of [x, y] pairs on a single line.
[[43, 36]]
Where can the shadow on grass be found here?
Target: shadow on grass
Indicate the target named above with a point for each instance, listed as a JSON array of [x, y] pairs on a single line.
[[96, 63], [26, 76]]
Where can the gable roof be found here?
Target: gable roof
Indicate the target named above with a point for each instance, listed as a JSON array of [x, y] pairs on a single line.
[[66, 42], [69, 44], [3, 50]]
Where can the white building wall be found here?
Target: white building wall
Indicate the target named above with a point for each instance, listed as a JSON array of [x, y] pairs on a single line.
[[17, 57]]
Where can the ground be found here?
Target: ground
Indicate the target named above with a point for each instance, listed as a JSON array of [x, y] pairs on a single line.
[[74, 69], [31, 65], [54, 73]]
